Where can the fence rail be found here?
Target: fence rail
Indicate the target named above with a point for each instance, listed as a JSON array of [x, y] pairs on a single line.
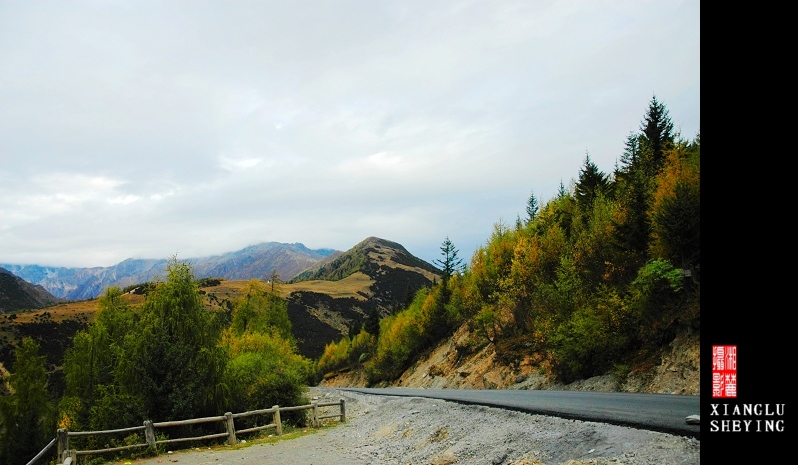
[[67, 456], [43, 451]]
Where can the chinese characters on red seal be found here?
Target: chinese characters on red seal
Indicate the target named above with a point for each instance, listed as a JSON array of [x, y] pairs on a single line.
[[724, 371]]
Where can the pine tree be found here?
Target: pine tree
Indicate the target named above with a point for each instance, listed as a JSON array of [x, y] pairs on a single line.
[[561, 192], [657, 135], [632, 233], [532, 207], [450, 263], [592, 183], [630, 159], [372, 322]]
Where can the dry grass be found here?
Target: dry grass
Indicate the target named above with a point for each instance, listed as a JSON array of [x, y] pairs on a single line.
[[72, 310], [61, 312], [347, 287]]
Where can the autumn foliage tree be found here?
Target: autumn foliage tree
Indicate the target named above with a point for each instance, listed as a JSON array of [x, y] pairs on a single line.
[[593, 282]]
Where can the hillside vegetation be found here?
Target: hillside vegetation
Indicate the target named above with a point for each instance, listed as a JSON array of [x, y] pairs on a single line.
[[599, 279], [169, 358]]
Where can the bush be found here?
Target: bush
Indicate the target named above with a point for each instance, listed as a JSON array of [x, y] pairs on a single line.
[[264, 371], [594, 340]]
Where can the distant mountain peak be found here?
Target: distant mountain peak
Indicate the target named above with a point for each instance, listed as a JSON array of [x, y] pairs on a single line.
[[368, 256]]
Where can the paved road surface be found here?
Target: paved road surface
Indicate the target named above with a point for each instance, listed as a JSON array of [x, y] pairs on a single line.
[[656, 412]]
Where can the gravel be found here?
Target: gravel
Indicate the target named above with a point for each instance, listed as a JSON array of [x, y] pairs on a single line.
[[414, 430]]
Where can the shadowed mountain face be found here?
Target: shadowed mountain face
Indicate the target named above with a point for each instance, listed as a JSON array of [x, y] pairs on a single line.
[[394, 278], [257, 261], [18, 294]]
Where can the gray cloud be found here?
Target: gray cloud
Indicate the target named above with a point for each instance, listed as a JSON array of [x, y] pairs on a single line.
[[152, 128]]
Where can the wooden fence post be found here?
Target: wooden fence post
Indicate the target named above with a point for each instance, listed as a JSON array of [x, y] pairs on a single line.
[[63, 443], [343, 411], [315, 415], [277, 421], [149, 434], [231, 429]]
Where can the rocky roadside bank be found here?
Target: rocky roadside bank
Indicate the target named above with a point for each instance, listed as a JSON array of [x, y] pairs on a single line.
[[449, 366], [412, 430]]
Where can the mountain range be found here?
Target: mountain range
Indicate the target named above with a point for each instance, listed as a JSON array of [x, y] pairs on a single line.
[[331, 291], [256, 261]]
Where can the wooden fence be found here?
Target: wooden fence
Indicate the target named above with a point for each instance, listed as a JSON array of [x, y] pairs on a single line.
[[68, 456]]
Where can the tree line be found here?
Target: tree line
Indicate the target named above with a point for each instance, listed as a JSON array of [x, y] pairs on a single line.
[[598, 279]]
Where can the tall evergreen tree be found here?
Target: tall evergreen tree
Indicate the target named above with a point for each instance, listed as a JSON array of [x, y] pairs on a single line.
[[657, 135], [450, 263], [561, 192], [532, 207], [372, 322], [630, 159], [632, 232], [592, 183]]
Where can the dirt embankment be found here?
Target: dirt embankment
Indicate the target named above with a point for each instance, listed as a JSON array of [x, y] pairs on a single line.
[[453, 365]]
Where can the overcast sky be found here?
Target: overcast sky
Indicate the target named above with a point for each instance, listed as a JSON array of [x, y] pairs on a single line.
[[151, 128]]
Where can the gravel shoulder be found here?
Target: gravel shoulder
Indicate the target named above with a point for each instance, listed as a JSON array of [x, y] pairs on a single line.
[[414, 430]]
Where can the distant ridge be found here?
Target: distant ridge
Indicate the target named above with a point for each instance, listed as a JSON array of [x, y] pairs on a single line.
[[255, 261], [18, 294]]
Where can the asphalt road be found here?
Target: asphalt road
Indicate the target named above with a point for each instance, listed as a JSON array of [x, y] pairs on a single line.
[[656, 412]]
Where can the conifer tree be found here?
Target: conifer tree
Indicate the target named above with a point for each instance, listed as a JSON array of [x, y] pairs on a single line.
[[592, 183], [630, 159], [561, 192], [450, 263], [532, 207], [656, 135]]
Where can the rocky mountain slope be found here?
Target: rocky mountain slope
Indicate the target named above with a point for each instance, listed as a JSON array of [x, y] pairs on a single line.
[[255, 261], [17, 294]]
